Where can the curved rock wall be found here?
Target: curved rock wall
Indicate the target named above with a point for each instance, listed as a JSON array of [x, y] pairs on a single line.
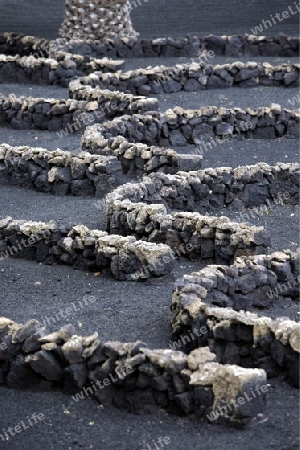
[[250, 282], [84, 249], [208, 189], [142, 209], [188, 234], [204, 127], [71, 115], [129, 375], [236, 337], [193, 77], [58, 71], [246, 45]]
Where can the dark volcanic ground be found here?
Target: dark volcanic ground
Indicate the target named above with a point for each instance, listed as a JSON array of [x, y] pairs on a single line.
[[131, 311]]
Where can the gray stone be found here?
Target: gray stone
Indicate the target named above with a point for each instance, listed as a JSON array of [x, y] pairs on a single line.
[[45, 364], [29, 328], [177, 139], [192, 85], [188, 163], [171, 86], [200, 132], [73, 350], [224, 128], [60, 174], [144, 90]]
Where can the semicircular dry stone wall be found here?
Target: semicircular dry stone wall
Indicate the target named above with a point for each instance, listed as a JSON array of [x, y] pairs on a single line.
[[179, 127], [189, 46], [148, 209], [129, 375], [208, 189], [58, 71], [237, 337], [250, 282], [193, 77], [123, 257], [68, 114]]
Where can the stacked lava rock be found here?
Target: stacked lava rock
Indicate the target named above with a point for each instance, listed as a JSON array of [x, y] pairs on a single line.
[[85, 19]]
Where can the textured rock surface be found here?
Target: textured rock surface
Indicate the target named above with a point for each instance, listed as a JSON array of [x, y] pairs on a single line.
[[60, 172], [97, 19], [130, 209]]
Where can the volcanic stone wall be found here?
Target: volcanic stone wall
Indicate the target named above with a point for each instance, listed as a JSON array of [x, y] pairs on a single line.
[[250, 282], [129, 375], [59, 71], [188, 234], [231, 46], [194, 77], [19, 44], [97, 19], [131, 208], [84, 249], [140, 159], [238, 338], [53, 114], [208, 189], [61, 173], [121, 47], [179, 127]]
